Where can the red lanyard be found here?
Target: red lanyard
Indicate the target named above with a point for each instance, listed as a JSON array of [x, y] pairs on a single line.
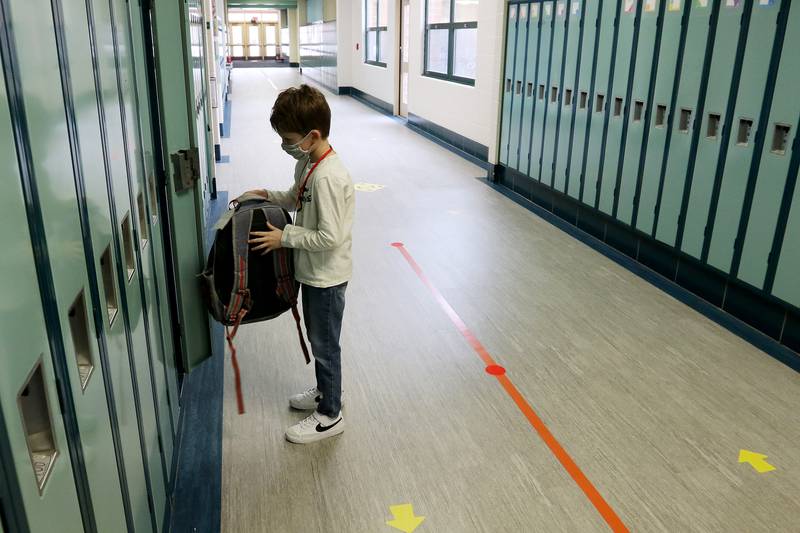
[[305, 181]]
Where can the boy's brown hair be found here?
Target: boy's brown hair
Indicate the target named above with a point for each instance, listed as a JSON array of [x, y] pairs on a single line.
[[300, 110]]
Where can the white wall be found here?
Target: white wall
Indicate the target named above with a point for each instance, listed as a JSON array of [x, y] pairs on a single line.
[[294, 28], [469, 111]]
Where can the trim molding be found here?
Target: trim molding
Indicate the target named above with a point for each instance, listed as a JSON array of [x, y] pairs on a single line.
[[367, 99], [762, 320], [466, 148]]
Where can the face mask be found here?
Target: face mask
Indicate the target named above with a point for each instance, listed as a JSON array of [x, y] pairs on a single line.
[[295, 151]]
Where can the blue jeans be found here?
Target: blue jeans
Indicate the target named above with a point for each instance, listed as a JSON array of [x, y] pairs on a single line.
[[322, 311]]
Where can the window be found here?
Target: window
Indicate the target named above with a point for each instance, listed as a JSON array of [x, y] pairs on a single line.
[[376, 36], [451, 40]]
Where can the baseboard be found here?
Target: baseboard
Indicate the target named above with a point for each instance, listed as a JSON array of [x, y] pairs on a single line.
[[467, 148], [760, 319], [369, 100]]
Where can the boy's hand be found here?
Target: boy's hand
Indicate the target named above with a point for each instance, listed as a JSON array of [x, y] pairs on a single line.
[[266, 240]]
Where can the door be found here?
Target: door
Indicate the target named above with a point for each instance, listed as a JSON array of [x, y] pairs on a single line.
[[405, 13]]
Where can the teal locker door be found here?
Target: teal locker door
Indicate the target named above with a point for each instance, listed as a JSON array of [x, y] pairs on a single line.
[[147, 203], [641, 105], [95, 154], [46, 481], [777, 150], [786, 287], [672, 40], [542, 93], [583, 97], [683, 125], [569, 99], [518, 87], [627, 42], [531, 79], [555, 93], [137, 410], [600, 105], [508, 82], [142, 231], [734, 170], [718, 99], [39, 76]]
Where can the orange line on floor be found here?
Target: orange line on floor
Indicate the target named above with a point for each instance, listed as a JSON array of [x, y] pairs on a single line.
[[549, 439]]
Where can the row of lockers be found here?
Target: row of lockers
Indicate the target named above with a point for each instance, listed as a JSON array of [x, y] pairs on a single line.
[[676, 117], [89, 386]]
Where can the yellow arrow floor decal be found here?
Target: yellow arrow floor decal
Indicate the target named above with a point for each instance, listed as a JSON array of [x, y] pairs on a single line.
[[756, 460], [404, 518], [368, 187]]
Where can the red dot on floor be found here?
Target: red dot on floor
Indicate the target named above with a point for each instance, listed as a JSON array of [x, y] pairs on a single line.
[[495, 370], [397, 244]]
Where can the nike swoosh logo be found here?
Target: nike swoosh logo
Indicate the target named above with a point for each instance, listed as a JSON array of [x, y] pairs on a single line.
[[321, 429]]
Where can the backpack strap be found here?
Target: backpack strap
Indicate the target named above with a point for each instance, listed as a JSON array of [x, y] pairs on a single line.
[[240, 294], [286, 287]]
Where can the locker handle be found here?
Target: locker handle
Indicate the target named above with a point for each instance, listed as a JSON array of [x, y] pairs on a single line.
[[530, 89], [79, 330], [37, 423], [519, 86], [508, 84]]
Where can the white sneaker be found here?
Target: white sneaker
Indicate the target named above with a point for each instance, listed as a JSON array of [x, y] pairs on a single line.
[[306, 401], [315, 428]]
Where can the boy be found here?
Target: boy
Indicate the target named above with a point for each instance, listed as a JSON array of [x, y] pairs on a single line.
[[321, 236]]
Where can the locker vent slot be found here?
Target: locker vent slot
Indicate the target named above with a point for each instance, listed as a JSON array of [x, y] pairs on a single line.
[[37, 423], [713, 125], [568, 97], [508, 84], [530, 89], [109, 288], [127, 244], [686, 118], [601, 103], [780, 138], [541, 92], [79, 327], [745, 126], [153, 198], [617, 107], [661, 115], [638, 108], [584, 99], [519, 86], [143, 225], [554, 94]]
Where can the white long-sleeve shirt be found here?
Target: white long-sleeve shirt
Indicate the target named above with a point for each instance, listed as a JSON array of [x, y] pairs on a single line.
[[321, 235]]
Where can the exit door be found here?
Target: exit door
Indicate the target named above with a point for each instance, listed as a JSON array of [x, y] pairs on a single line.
[[405, 13]]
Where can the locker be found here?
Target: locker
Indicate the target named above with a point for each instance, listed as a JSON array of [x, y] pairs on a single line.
[[672, 61], [531, 80], [555, 92], [719, 98], [96, 163], [585, 89], [626, 57], [50, 500], [569, 99], [508, 83], [688, 105], [640, 101], [39, 76], [542, 96], [786, 287], [724, 220], [147, 204], [775, 154], [600, 102], [518, 86], [136, 408], [142, 234]]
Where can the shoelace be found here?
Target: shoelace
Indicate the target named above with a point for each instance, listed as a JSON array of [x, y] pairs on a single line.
[[310, 392], [311, 420]]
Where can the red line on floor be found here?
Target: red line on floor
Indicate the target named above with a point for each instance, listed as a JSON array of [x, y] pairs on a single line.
[[560, 453]]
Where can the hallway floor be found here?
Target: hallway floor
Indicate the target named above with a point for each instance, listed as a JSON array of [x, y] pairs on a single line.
[[651, 400]]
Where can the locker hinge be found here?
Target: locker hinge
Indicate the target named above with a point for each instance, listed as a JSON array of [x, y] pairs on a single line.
[[186, 168], [60, 396]]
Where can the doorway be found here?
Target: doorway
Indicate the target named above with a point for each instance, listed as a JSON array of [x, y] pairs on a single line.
[[405, 14]]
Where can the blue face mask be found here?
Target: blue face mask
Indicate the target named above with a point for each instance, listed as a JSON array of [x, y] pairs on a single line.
[[295, 151]]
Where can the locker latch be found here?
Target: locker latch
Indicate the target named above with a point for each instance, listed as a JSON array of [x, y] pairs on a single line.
[[186, 168]]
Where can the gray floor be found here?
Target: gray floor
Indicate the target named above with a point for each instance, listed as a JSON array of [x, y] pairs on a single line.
[[652, 400]]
